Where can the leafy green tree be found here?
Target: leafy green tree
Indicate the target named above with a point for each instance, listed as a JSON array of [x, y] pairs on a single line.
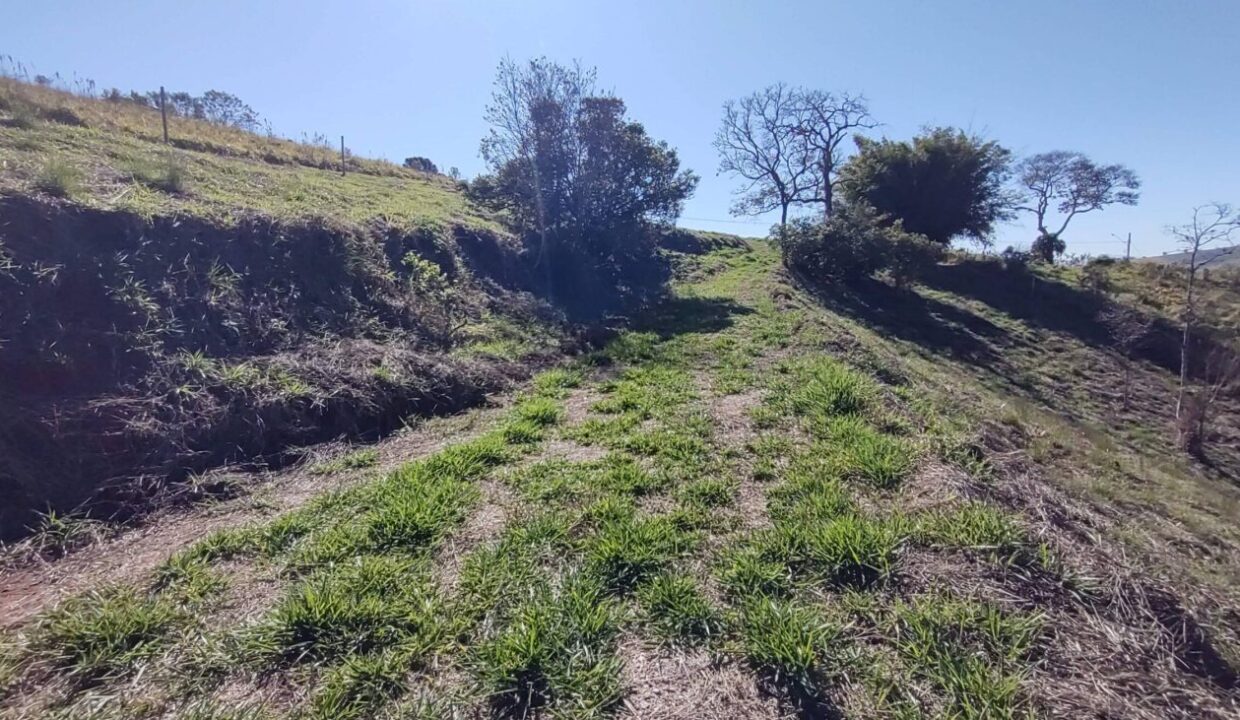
[[569, 166], [944, 184]]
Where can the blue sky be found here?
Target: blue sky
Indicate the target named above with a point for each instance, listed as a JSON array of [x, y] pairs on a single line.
[[1148, 84]]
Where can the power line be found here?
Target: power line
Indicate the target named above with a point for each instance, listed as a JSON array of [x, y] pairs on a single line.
[[732, 222]]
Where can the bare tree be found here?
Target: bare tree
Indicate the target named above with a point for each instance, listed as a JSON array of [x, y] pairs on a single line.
[[825, 121], [759, 142], [1209, 237], [527, 99], [1072, 184], [1128, 328], [1221, 377]]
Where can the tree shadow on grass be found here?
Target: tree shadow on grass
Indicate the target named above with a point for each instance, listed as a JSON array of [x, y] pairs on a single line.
[[936, 326], [680, 315], [1048, 304]]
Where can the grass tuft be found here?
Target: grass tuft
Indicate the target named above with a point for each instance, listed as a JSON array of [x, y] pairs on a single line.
[[59, 177], [557, 650], [675, 609], [105, 634], [356, 460], [376, 603], [792, 645]]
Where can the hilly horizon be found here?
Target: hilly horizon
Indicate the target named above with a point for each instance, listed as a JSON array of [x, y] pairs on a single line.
[[288, 432]]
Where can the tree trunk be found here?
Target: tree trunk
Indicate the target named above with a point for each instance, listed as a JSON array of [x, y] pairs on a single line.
[[1187, 337], [783, 216], [826, 185]]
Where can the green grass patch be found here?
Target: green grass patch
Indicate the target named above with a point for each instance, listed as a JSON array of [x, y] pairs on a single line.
[[865, 454], [822, 387], [557, 382], [105, 634], [557, 651], [361, 685], [625, 550], [59, 177], [374, 603], [975, 654], [707, 493], [793, 645], [973, 526], [648, 391], [849, 550], [674, 608]]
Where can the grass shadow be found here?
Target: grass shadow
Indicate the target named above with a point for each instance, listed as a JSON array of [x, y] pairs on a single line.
[[1048, 304], [682, 315], [938, 327]]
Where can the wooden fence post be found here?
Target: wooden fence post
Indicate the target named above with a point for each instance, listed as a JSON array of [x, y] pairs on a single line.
[[163, 111]]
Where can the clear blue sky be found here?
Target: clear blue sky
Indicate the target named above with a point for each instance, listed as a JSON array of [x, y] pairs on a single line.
[[1149, 84]]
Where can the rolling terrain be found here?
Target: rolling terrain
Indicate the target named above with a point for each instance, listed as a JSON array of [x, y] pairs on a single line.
[[754, 497]]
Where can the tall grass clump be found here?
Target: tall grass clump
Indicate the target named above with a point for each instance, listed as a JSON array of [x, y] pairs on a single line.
[[974, 653], [675, 609], [58, 177], [105, 634], [792, 646], [556, 650], [376, 603], [825, 387], [167, 173]]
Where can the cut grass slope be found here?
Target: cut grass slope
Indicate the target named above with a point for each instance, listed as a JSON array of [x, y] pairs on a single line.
[[166, 310], [747, 477]]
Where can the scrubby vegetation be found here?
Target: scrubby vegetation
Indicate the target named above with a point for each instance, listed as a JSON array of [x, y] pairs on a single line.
[[842, 472], [848, 532]]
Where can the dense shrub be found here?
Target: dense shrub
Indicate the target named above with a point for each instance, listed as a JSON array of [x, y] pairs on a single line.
[[1046, 247], [421, 164], [944, 184], [579, 179], [855, 243]]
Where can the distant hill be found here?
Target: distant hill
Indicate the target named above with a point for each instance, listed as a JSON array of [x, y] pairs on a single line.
[[1231, 256]]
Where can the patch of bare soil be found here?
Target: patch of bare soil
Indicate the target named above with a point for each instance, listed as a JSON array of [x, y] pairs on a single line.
[[27, 589], [734, 429], [681, 684], [482, 526]]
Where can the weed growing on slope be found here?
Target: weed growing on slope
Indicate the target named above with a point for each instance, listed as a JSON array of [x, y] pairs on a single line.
[[557, 382], [863, 453], [847, 551], [59, 177], [708, 493], [975, 525], [356, 460], [376, 602], [973, 653], [626, 550], [746, 572], [648, 391], [675, 609], [822, 387], [168, 173], [793, 645], [57, 534], [361, 684], [557, 650], [105, 634], [494, 578]]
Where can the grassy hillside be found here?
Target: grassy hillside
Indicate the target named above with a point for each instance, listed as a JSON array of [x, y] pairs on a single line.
[[168, 309], [755, 503]]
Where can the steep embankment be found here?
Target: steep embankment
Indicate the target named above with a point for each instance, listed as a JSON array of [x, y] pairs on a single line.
[[165, 310], [753, 504]]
